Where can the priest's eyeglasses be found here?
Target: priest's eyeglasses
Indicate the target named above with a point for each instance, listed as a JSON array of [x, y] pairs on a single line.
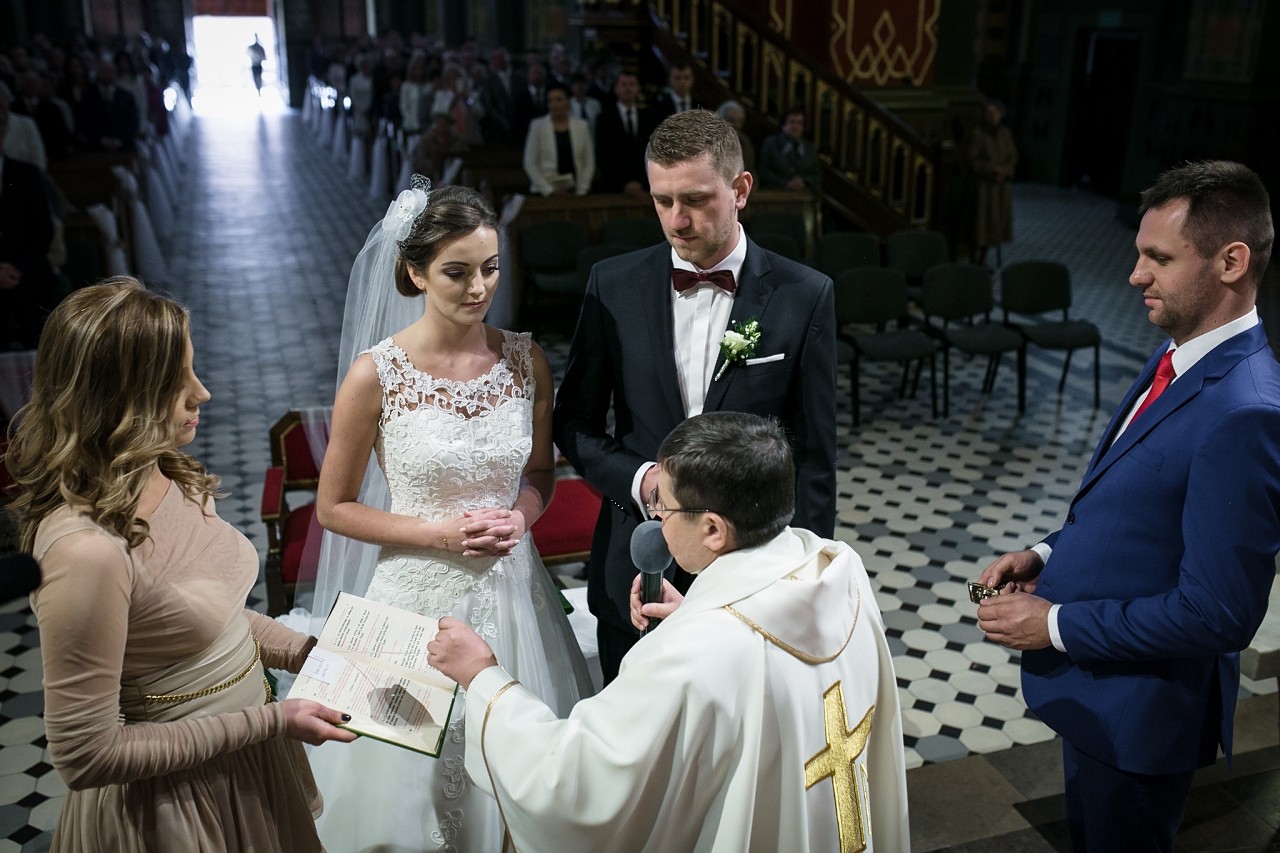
[[653, 506]]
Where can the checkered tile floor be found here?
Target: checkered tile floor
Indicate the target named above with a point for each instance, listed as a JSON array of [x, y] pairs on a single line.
[[260, 252]]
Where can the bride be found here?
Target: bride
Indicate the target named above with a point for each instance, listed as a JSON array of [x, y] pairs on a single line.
[[459, 415]]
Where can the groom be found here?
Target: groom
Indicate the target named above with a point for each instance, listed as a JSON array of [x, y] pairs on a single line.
[[648, 344]]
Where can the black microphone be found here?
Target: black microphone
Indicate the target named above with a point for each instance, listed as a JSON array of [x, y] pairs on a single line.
[[19, 575], [649, 553]]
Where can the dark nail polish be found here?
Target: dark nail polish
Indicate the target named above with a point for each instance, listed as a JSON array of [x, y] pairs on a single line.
[[346, 718]]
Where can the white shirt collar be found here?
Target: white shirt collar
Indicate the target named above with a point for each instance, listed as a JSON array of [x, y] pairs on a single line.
[[733, 263], [1191, 351]]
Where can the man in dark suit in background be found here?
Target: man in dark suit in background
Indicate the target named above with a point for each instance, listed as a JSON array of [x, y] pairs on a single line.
[[529, 100], [114, 127], [787, 162], [495, 97], [1131, 616], [648, 343], [678, 96], [622, 132]]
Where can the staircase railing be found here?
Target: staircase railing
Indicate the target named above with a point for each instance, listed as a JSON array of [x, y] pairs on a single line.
[[877, 170]]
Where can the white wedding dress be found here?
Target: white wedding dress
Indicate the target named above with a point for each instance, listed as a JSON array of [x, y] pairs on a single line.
[[447, 447]]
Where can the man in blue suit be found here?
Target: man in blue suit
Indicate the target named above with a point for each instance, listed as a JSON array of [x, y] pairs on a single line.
[[1130, 617]]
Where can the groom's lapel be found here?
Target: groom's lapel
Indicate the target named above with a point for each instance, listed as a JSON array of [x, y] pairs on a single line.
[[653, 286], [755, 286]]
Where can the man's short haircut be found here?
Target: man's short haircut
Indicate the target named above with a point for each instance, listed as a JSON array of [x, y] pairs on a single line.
[[696, 133], [679, 65], [738, 465], [1226, 202]]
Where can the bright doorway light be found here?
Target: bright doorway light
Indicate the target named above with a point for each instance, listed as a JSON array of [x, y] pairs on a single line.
[[224, 83]]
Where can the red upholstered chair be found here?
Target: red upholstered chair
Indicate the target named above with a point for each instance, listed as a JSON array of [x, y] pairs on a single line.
[[293, 535], [563, 532]]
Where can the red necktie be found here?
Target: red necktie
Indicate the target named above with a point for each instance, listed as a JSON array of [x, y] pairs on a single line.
[[1164, 375], [682, 280]]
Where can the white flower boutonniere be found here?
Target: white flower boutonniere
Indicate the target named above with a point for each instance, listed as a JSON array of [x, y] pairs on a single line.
[[738, 344]]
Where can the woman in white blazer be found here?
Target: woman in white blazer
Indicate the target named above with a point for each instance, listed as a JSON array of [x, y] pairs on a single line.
[[559, 165]]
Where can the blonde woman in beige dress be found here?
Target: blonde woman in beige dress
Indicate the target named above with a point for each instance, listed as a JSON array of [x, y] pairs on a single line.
[[157, 712]]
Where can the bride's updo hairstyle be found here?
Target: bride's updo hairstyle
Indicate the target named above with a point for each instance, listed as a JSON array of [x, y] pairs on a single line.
[[108, 371], [452, 212]]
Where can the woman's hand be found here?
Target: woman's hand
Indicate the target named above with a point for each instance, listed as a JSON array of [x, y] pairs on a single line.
[[313, 723], [492, 532]]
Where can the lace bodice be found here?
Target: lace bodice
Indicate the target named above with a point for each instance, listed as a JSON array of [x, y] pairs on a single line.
[[447, 446]]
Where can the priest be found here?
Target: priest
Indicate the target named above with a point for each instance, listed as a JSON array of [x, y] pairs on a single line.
[[760, 714]]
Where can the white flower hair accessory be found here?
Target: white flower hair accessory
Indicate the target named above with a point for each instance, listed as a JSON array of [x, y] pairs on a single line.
[[403, 213]]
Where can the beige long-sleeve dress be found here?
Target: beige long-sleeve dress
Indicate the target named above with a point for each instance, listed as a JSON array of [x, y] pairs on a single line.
[[210, 772]]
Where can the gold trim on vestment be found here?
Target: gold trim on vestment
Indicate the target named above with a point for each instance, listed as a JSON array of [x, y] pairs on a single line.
[[484, 727], [792, 650]]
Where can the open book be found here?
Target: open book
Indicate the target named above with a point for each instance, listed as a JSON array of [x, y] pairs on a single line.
[[371, 662]]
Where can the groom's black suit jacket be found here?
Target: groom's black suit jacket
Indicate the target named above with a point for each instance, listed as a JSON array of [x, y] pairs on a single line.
[[623, 352]]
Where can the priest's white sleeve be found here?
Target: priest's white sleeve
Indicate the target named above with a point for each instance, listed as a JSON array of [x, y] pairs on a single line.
[[604, 779]]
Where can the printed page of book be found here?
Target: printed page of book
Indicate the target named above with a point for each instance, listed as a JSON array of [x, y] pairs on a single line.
[[371, 662]]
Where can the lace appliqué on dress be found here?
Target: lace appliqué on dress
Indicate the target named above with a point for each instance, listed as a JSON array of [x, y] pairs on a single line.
[[447, 447]]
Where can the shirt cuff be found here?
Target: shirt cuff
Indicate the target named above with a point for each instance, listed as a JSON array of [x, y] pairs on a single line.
[[1044, 551], [636, 497], [1054, 636]]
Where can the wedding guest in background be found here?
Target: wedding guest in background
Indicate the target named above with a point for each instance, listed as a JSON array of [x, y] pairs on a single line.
[[725, 710], [582, 105], [648, 350], [83, 98], [22, 140], [678, 95], [437, 146], [787, 161], [157, 710], [734, 113], [558, 156], [412, 96], [529, 101], [116, 123], [360, 89], [27, 291], [495, 97], [257, 55], [622, 132], [992, 160], [35, 104]]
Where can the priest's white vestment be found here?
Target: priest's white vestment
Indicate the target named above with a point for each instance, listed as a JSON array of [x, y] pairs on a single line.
[[761, 716]]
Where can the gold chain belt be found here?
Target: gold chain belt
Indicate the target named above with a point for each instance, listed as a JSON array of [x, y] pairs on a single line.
[[196, 694]]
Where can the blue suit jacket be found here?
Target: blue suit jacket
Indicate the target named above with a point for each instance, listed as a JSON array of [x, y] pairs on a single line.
[[1163, 567]]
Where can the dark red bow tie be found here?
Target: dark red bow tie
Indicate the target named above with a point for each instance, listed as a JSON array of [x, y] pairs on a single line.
[[682, 280]]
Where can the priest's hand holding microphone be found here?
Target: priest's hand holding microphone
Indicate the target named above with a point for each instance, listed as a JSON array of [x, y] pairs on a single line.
[[653, 598]]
